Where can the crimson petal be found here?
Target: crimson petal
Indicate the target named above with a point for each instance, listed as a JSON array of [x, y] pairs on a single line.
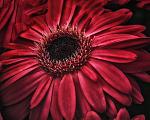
[[112, 55], [112, 75], [138, 117], [92, 116], [89, 72], [93, 93], [111, 108], [54, 109], [67, 97], [123, 115], [40, 91], [120, 97]]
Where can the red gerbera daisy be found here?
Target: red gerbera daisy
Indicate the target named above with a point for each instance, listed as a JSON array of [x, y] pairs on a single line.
[[75, 59]]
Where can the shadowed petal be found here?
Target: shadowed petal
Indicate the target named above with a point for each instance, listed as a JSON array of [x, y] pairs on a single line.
[[111, 108], [112, 75], [123, 115], [41, 112], [92, 116], [41, 91], [138, 117]]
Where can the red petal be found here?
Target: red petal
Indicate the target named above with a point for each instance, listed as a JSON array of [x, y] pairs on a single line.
[[54, 12], [87, 71], [14, 60], [43, 108], [111, 108], [92, 116], [112, 55], [143, 76], [15, 69], [138, 117], [82, 103], [40, 91], [46, 107], [31, 35], [67, 97], [140, 65], [67, 12], [123, 115], [111, 39], [6, 13], [16, 53], [17, 111], [21, 89], [128, 29], [93, 94], [54, 109], [134, 44], [120, 97], [136, 92], [112, 75], [109, 20], [17, 77]]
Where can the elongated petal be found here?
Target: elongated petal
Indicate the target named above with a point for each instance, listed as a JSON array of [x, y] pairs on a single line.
[[17, 69], [82, 104], [67, 97], [31, 35], [54, 12], [93, 94], [142, 64], [109, 20], [22, 88], [55, 112], [120, 97], [17, 53], [89, 72], [128, 29], [111, 108], [111, 39], [67, 12], [143, 76], [136, 92], [43, 108], [17, 77], [19, 110], [40, 91], [112, 75], [112, 55], [92, 116]]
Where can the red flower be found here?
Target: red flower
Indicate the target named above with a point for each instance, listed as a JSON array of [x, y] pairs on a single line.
[[74, 59], [13, 13]]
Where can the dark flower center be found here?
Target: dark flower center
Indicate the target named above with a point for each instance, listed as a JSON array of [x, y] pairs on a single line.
[[63, 51], [62, 47]]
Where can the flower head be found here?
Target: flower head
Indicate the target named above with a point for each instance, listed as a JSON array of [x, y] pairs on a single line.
[[74, 59]]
